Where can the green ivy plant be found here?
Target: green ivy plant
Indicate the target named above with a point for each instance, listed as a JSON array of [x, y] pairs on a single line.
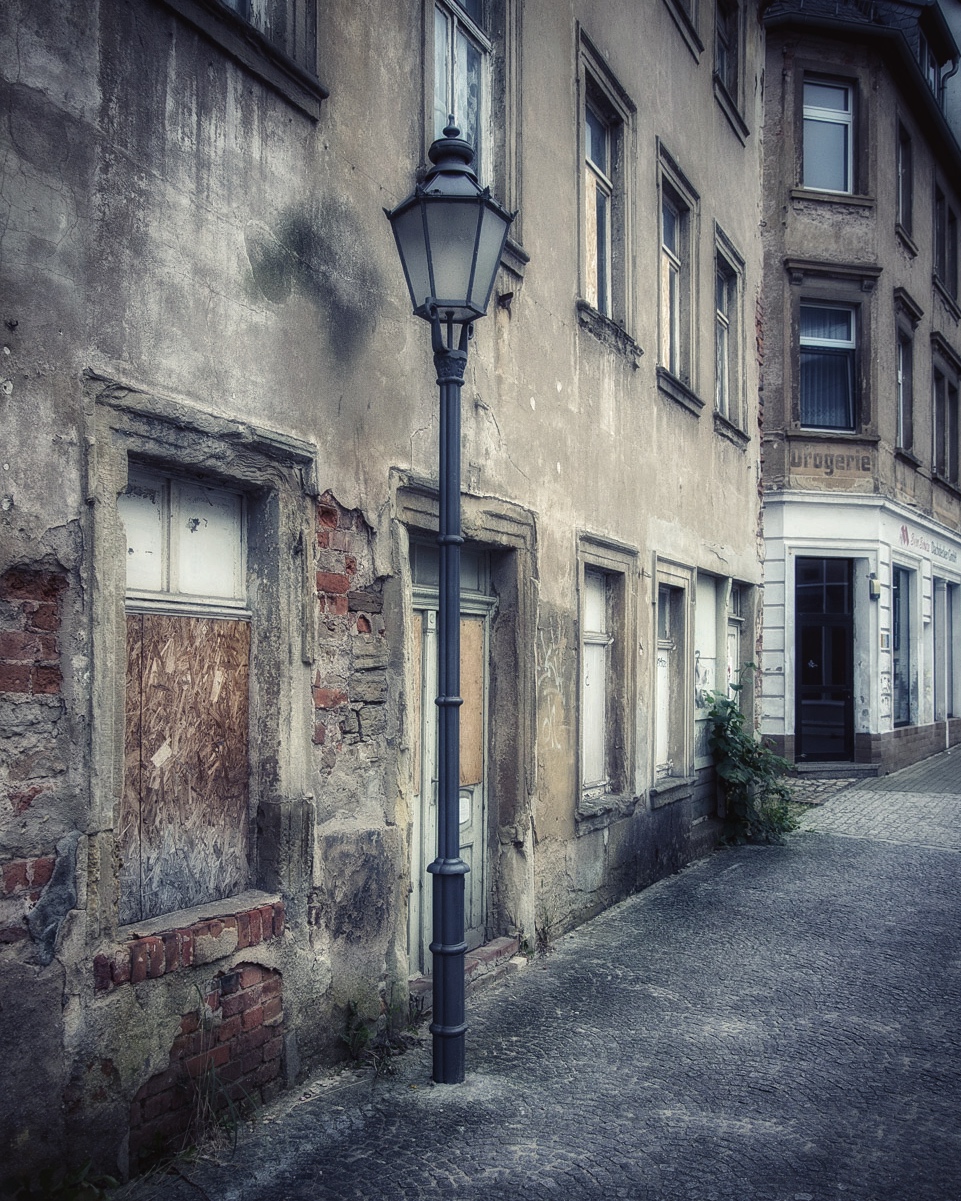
[[757, 797]]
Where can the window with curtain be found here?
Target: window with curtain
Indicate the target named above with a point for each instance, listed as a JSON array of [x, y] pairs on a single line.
[[827, 366]]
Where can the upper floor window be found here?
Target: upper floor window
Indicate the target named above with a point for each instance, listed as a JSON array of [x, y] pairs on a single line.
[[727, 45], [726, 339], [905, 179], [930, 67], [462, 52], [678, 241], [828, 142], [945, 243], [945, 446], [599, 143], [905, 384], [606, 116], [827, 366], [289, 25]]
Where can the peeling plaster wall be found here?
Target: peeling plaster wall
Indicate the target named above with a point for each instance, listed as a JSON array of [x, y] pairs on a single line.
[[197, 275]]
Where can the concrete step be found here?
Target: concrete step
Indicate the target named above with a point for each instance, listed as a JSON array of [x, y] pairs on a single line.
[[837, 771], [488, 963]]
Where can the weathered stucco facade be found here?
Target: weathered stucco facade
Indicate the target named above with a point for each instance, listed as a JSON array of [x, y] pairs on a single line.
[[216, 592], [862, 490]]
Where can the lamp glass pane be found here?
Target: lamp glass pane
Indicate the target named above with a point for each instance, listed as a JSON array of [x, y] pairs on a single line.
[[490, 245], [452, 229], [409, 232]]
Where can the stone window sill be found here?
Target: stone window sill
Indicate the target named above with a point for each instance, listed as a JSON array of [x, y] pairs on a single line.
[[189, 937], [594, 813], [673, 388], [671, 789], [608, 332]]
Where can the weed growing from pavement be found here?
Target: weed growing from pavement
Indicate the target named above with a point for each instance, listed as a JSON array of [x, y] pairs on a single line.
[[375, 1041], [756, 795]]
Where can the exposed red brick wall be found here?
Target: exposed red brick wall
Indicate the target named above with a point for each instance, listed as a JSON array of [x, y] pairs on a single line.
[[350, 693], [228, 1053], [30, 646], [21, 882], [156, 955]]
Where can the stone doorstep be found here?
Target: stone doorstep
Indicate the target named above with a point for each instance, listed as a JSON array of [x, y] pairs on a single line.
[[837, 770], [483, 966]]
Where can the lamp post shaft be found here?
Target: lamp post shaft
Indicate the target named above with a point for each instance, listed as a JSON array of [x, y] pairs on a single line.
[[448, 869]]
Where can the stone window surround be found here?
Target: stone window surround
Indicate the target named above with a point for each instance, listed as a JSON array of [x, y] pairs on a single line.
[[850, 284], [277, 474], [619, 563]]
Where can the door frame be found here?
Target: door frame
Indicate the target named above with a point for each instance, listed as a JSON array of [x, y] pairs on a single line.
[[423, 849], [822, 621]]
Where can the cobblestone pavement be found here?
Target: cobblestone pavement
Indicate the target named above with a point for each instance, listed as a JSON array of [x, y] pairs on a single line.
[[771, 1024]]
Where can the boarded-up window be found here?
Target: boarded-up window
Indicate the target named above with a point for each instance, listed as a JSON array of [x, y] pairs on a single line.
[[183, 832]]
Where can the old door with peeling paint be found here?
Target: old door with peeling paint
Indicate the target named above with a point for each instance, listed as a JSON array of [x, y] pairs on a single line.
[[184, 812], [477, 607]]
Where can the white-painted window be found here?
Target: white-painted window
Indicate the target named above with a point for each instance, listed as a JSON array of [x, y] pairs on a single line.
[[827, 363], [828, 135], [671, 699], [185, 542], [596, 642], [462, 52]]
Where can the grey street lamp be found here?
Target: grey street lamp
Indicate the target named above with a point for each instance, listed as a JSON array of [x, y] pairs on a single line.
[[450, 234]]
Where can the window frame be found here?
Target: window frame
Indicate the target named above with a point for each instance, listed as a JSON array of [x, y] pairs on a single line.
[[729, 265], [945, 224], [459, 21], [615, 566], [672, 640], [678, 323], [275, 473], [848, 348], [847, 119], [907, 315], [945, 417], [602, 96], [904, 166], [729, 53]]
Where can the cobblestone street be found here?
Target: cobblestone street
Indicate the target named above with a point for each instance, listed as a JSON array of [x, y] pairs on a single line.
[[776, 1023]]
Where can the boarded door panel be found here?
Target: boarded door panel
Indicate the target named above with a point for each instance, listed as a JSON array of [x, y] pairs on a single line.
[[193, 762]]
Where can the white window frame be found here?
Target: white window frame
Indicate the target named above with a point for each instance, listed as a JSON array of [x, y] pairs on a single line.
[[597, 639], [460, 28], [598, 198], [842, 118], [833, 346], [181, 501], [673, 682], [605, 576]]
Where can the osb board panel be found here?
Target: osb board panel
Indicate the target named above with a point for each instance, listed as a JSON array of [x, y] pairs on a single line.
[[193, 761], [128, 832], [472, 691]]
